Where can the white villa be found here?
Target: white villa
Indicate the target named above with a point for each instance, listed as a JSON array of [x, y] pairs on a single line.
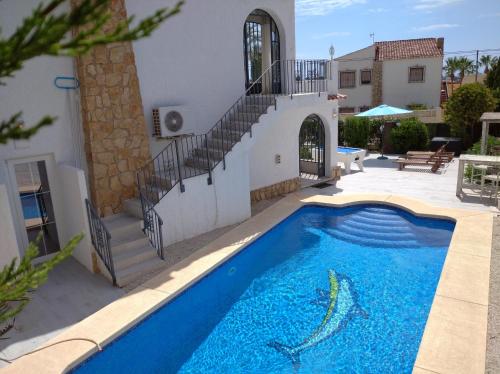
[[174, 135], [396, 73]]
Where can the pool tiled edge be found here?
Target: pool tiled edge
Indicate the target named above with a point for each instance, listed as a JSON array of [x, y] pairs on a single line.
[[454, 339]]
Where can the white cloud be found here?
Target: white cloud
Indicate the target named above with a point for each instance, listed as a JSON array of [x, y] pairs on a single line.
[[332, 34], [437, 26], [432, 4], [378, 10], [322, 7]]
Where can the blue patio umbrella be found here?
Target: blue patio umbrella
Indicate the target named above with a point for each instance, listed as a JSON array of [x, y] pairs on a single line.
[[383, 111]]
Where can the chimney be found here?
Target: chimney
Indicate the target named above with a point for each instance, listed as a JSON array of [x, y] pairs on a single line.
[[440, 44]]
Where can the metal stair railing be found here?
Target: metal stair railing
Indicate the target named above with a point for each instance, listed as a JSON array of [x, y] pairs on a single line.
[[101, 239], [152, 225], [189, 156]]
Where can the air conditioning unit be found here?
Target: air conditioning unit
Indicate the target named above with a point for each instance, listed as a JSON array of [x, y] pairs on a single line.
[[173, 120]]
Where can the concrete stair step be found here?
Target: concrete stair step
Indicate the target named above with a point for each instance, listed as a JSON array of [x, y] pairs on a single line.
[[218, 143], [127, 241], [214, 154], [226, 134], [130, 273], [132, 257], [121, 223], [200, 163], [238, 126], [133, 207]]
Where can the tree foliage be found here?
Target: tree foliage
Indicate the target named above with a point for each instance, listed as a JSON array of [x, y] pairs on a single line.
[[16, 281], [50, 32], [465, 107], [357, 131], [487, 61], [411, 135], [465, 66], [493, 82]]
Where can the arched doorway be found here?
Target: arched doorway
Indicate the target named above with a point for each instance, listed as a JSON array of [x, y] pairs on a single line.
[[312, 146], [261, 46]]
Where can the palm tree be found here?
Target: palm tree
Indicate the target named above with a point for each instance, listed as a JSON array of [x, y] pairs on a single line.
[[465, 66], [450, 69], [486, 61]]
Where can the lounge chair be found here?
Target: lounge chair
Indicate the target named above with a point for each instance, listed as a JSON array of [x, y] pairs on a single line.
[[435, 164], [435, 160], [440, 153]]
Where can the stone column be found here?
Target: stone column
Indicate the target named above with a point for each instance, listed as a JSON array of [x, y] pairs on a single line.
[[114, 127], [377, 91]]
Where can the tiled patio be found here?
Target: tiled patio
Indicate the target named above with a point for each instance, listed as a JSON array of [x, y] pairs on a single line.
[[382, 176]]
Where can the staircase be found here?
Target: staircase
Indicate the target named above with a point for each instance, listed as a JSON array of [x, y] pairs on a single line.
[[132, 252], [136, 233]]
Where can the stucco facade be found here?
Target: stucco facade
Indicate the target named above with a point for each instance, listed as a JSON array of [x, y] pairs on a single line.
[[195, 59], [390, 83]]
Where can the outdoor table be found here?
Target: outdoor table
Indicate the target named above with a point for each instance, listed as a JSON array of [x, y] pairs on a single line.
[[476, 160]]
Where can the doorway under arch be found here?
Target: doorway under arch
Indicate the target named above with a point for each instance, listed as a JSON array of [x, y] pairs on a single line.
[[312, 147], [261, 48]]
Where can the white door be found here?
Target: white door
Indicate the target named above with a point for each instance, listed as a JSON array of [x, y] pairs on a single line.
[[31, 180]]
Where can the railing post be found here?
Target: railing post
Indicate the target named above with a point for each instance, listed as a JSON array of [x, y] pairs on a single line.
[[181, 184], [209, 180], [222, 141]]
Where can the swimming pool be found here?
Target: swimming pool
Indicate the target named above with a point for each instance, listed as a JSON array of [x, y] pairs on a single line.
[[327, 290]]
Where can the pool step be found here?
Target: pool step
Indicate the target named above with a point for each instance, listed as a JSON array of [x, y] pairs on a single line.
[[133, 255], [374, 233], [389, 242]]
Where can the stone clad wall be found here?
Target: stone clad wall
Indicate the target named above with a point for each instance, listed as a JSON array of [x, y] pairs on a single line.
[[116, 137], [274, 190], [377, 93]]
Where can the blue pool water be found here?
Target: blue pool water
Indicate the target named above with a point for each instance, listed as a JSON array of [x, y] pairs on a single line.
[[347, 150], [328, 290], [30, 206]]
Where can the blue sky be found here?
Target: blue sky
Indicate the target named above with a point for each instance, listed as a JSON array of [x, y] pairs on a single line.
[[347, 24]]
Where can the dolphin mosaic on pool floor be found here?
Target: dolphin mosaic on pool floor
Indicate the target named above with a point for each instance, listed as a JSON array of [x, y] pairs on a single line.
[[342, 305]]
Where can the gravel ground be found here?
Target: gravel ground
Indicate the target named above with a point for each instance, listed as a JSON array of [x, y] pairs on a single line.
[[493, 347]]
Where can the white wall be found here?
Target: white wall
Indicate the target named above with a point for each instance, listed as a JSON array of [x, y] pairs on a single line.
[[250, 165], [33, 92], [278, 133], [202, 207], [361, 95], [196, 58], [398, 92], [8, 243], [73, 192]]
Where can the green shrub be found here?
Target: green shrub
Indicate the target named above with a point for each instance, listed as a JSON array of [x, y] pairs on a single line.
[[465, 107], [491, 142], [411, 135], [305, 153], [356, 131], [416, 106]]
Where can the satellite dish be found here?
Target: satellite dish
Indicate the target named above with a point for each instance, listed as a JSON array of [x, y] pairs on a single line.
[[173, 121]]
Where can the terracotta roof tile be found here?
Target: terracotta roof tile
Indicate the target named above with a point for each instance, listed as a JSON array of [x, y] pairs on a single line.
[[405, 49]]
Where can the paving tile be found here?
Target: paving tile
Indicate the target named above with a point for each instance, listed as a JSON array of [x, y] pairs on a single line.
[[465, 277], [454, 338]]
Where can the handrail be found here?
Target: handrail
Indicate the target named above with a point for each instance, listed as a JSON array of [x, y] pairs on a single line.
[[190, 156], [101, 239], [152, 225]]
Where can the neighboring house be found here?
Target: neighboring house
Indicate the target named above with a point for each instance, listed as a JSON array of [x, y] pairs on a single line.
[[109, 142], [397, 73]]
